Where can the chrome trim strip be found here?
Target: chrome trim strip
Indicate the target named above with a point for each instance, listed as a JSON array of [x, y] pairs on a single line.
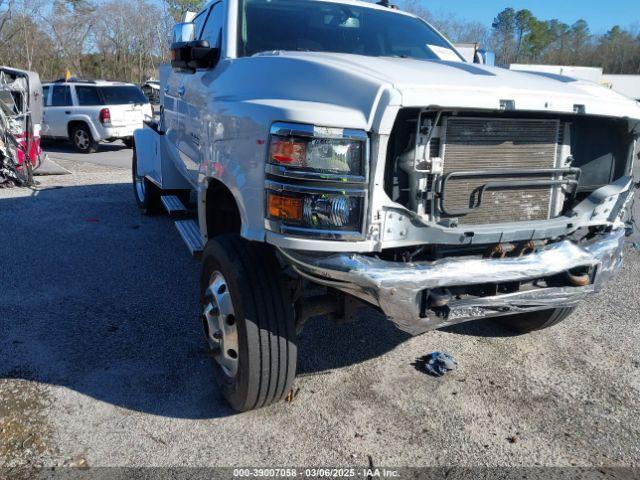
[[282, 171], [305, 130], [291, 129], [318, 233], [287, 187]]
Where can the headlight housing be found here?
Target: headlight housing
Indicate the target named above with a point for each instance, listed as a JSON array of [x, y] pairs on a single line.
[[317, 181], [320, 213], [327, 154]]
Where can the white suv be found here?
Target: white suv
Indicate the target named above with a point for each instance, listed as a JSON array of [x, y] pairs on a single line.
[[87, 112]]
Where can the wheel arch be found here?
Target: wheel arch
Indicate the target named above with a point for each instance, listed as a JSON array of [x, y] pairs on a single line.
[[219, 210], [85, 122]]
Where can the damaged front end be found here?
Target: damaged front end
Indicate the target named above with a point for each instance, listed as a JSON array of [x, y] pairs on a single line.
[[421, 296], [488, 214]]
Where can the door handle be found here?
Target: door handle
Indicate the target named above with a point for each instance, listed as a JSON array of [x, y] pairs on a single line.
[[67, 112], [181, 91]]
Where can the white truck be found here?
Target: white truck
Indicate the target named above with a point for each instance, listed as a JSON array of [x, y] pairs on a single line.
[[331, 154]]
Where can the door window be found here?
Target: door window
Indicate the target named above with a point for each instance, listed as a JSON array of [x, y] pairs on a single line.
[[213, 28], [45, 95], [61, 96], [88, 96], [199, 22]]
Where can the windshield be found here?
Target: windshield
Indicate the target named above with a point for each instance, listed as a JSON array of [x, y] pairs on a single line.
[[124, 95], [310, 25]]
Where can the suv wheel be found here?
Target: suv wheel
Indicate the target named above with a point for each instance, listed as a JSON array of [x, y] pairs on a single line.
[[147, 194], [83, 140], [248, 322]]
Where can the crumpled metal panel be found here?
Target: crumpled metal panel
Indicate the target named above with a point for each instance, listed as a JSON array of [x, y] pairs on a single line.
[[395, 287]]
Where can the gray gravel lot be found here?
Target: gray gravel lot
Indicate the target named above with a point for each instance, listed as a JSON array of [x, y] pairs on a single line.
[[102, 362]]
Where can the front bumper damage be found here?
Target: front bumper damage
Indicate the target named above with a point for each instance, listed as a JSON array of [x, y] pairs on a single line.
[[397, 288]]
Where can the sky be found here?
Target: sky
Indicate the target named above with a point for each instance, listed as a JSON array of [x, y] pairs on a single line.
[[601, 15]]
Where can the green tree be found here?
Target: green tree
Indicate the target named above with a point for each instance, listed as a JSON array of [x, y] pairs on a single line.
[[504, 29], [579, 35], [618, 50], [540, 36], [177, 8], [523, 21], [558, 51]]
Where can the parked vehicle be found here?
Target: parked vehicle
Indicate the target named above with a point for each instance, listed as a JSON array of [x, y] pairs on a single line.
[[151, 89], [339, 153], [88, 112], [21, 112]]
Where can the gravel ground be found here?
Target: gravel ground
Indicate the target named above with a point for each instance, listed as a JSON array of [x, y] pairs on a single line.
[[102, 362]]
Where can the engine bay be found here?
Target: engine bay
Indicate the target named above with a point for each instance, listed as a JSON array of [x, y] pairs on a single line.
[[470, 168]]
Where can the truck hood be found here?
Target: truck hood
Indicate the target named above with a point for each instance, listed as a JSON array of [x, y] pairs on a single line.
[[364, 84]]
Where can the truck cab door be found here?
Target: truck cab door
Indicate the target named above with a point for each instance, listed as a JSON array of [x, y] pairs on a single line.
[[199, 88], [170, 104], [178, 111]]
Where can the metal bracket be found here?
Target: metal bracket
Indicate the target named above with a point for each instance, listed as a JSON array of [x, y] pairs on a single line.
[[504, 185]]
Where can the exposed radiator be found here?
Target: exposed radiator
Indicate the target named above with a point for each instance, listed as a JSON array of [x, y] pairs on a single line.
[[472, 144]]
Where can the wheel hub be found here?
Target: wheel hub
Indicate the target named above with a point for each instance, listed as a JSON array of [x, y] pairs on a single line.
[[82, 140], [140, 191], [220, 324]]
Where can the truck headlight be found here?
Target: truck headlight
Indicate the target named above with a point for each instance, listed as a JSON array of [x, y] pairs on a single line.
[[329, 154], [317, 181], [309, 211], [324, 155]]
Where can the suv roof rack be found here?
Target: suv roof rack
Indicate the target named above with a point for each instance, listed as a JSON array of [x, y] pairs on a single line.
[[73, 80]]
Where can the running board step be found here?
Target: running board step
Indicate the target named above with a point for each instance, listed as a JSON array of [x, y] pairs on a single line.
[[190, 233], [173, 205]]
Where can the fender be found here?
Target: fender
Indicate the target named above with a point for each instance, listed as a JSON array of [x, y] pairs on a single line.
[[90, 123]]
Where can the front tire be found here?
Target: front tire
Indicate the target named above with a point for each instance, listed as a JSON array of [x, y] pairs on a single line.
[[248, 322], [147, 194], [531, 321], [82, 139]]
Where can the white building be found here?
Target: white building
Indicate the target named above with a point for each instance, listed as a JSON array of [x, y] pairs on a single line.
[[628, 85]]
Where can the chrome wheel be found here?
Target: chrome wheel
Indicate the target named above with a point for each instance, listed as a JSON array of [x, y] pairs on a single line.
[[220, 324], [82, 139], [139, 184]]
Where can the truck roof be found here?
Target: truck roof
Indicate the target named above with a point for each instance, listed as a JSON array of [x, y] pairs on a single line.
[[358, 3], [99, 83]]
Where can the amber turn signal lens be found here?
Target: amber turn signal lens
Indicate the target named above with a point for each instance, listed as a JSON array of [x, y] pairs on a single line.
[[284, 207]]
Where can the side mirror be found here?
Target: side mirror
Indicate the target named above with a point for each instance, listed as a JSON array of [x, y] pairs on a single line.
[[193, 55], [183, 32], [203, 57]]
